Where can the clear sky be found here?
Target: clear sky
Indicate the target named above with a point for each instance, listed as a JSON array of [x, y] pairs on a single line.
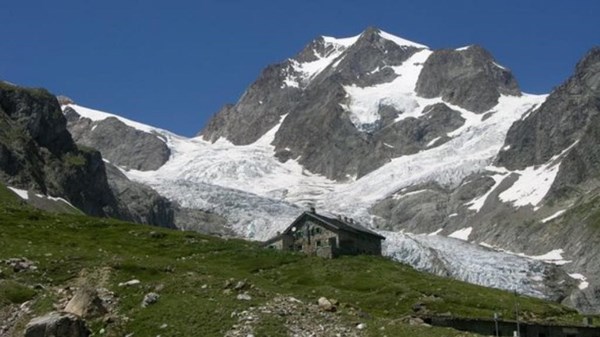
[[174, 63]]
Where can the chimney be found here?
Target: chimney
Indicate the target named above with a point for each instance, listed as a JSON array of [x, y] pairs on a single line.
[[312, 209]]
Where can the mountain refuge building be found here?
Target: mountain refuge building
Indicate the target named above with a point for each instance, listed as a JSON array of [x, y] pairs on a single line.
[[328, 237]]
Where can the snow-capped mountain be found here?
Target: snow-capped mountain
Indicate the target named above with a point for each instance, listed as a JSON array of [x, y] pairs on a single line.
[[400, 137]]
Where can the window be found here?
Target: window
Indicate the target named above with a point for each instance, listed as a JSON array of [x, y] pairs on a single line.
[[318, 243]]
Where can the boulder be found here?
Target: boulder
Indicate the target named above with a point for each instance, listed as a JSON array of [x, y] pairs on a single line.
[[57, 325], [86, 303], [326, 305], [149, 299]]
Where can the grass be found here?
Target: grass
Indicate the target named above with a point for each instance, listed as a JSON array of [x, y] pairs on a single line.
[[191, 269]]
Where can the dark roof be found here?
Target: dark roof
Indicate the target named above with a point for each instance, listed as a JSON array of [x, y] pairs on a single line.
[[336, 223]]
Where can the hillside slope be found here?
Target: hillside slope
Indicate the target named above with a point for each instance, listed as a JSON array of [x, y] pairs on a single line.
[[260, 291]]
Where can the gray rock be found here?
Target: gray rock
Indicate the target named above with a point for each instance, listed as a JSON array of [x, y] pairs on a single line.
[[20, 264], [121, 144], [56, 324], [140, 203], [244, 297], [86, 303], [37, 152], [150, 298], [468, 78], [587, 300], [325, 304]]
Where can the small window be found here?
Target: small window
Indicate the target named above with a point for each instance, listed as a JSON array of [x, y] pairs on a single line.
[[318, 243]]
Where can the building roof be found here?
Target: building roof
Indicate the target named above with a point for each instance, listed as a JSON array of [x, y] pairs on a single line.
[[338, 224]]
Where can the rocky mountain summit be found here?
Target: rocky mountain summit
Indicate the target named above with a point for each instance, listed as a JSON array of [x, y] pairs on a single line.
[[351, 105]]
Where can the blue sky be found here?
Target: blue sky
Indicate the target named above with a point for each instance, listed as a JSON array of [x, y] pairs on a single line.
[[174, 63]]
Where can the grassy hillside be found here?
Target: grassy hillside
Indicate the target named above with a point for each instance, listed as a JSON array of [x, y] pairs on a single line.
[[190, 271]]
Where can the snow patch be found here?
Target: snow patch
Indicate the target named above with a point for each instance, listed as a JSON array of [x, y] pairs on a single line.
[[462, 234], [23, 194], [436, 232], [433, 141], [554, 216], [499, 66], [534, 182], [583, 284], [399, 196], [363, 103], [553, 256], [400, 41]]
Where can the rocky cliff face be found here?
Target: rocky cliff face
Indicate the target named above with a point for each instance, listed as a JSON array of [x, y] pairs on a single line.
[[552, 148], [119, 143], [569, 120], [350, 105], [468, 77], [38, 153]]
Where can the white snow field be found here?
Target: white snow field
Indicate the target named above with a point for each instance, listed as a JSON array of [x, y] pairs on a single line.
[[259, 195]]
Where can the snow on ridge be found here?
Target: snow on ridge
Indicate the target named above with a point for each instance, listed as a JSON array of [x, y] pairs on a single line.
[[401, 41], [345, 42], [23, 194], [302, 73], [97, 115]]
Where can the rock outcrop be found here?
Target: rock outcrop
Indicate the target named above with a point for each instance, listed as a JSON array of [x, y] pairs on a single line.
[[56, 324], [568, 120], [37, 152], [468, 77], [121, 144]]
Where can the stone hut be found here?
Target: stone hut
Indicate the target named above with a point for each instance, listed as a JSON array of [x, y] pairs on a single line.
[[326, 236]]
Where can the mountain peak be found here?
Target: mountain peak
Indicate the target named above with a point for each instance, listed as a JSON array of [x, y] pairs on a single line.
[[371, 34], [376, 33]]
